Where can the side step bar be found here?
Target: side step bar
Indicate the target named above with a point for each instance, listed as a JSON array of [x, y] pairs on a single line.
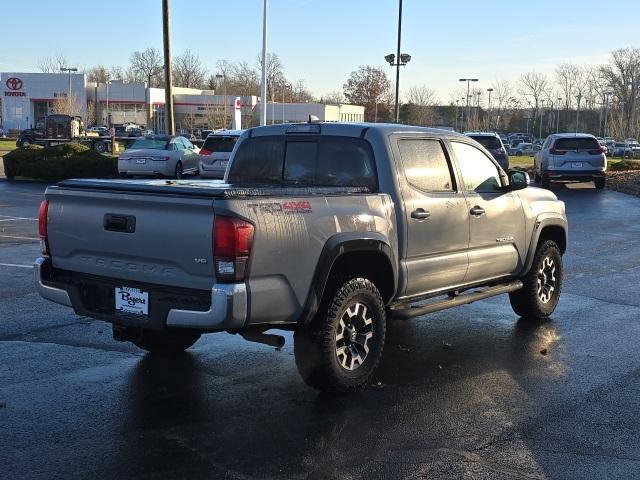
[[404, 312]]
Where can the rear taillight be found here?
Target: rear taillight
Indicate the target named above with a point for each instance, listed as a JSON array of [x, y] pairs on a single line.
[[598, 151], [204, 151], [232, 240], [43, 213]]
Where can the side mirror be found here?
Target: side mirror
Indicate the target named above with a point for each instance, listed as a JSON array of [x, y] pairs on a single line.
[[518, 180]]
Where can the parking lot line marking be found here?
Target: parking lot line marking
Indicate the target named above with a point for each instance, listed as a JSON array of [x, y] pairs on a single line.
[[17, 219], [20, 238], [15, 265]]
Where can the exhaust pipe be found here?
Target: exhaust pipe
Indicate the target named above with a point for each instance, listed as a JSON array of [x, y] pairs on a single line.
[[276, 341]]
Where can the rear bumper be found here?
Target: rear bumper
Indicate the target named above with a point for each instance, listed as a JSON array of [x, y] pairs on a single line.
[[211, 172], [573, 174], [227, 309], [151, 168]]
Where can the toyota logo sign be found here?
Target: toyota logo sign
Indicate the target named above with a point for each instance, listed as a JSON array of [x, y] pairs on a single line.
[[14, 83]]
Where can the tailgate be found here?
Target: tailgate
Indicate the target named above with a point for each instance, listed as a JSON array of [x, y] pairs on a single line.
[[160, 239]]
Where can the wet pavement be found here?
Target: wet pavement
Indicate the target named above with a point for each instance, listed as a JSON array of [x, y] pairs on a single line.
[[464, 393]]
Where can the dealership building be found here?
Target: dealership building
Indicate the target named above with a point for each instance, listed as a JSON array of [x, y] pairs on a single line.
[[27, 96]]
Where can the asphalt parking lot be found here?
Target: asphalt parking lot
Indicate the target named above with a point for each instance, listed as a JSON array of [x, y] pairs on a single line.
[[464, 393]]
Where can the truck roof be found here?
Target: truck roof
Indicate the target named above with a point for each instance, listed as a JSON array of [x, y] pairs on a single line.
[[348, 129]]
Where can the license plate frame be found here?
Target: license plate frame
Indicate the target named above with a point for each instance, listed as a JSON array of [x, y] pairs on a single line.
[[576, 164], [131, 300]]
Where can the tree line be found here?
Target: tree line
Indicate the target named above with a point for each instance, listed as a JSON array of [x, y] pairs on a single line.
[[574, 97]]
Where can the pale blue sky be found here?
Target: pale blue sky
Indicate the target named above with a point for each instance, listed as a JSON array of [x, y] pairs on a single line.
[[322, 41]]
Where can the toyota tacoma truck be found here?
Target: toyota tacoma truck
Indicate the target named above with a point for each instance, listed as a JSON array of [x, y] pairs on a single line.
[[326, 229]]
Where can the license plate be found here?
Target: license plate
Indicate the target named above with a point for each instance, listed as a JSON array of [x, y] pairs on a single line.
[[132, 300], [223, 163], [141, 161], [576, 164]]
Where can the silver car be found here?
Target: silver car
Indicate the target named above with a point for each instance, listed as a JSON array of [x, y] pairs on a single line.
[[159, 155], [215, 153], [570, 156], [524, 148]]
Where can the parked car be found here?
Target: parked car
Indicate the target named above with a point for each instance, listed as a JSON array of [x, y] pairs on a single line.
[[376, 221], [570, 156], [99, 130], [493, 143], [215, 153], [622, 150], [159, 155], [524, 149]]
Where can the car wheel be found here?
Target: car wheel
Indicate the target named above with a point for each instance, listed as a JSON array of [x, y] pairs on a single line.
[[545, 182], [539, 296], [25, 142], [341, 348], [178, 171], [518, 154], [600, 183], [536, 177], [169, 342], [100, 147]]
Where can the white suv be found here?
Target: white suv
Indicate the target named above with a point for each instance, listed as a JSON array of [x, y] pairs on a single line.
[[570, 156]]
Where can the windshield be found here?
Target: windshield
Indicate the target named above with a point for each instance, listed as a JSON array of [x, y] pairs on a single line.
[[149, 143], [577, 144], [490, 143]]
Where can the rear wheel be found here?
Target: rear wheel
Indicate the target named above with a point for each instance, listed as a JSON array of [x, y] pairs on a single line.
[[341, 348], [25, 142], [166, 343], [544, 181], [178, 172], [539, 296], [518, 153], [600, 183]]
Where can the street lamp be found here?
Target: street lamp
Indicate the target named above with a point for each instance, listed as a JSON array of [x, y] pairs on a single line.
[[606, 114], [578, 97], [489, 90], [456, 119], [541, 114], [468, 80], [558, 122], [69, 69], [391, 59]]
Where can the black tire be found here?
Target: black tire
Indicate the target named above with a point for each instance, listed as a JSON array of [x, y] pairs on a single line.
[[545, 182], [178, 172], [166, 343], [100, 147], [536, 177], [539, 296], [600, 183], [518, 153], [355, 311], [25, 142], [124, 175]]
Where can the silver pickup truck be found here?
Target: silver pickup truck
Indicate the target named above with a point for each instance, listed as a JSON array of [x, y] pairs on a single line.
[[326, 229]]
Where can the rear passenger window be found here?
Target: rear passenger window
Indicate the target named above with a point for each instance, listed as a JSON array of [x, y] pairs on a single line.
[[425, 165]]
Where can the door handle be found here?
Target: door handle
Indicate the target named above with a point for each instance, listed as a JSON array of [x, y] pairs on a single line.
[[420, 214], [477, 211]]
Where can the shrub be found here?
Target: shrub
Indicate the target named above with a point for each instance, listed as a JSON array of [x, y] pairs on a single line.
[[68, 160], [624, 165]]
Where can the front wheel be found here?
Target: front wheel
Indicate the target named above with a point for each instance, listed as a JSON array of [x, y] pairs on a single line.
[[25, 142], [539, 296], [600, 183], [341, 348], [165, 343], [100, 147], [178, 171]]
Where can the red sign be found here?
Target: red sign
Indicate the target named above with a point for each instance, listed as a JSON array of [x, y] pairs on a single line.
[[238, 104], [14, 83]]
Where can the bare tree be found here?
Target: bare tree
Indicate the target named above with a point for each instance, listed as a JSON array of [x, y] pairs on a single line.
[[244, 79], [300, 92], [532, 88], [148, 65], [568, 78], [67, 105], [419, 106], [275, 73], [52, 64], [98, 74], [368, 86], [333, 98], [502, 94], [188, 70], [622, 75]]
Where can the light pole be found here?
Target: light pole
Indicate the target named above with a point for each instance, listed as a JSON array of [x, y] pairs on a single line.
[[456, 119], [489, 90], [558, 122], [578, 97], [225, 96], [107, 87], [404, 58], [541, 113], [263, 82], [468, 80], [169, 120], [69, 69], [606, 114]]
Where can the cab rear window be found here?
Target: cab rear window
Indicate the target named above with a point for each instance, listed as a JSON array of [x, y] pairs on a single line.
[[577, 144], [220, 143], [490, 143], [324, 161]]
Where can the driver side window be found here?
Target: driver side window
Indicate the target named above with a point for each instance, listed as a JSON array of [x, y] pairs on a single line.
[[479, 173]]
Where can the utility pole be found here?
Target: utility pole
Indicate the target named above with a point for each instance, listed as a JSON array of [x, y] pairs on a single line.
[[398, 63], [578, 97], [489, 108], [168, 91], [263, 83], [466, 123]]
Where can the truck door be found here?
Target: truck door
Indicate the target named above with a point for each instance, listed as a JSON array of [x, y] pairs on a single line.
[[497, 228], [436, 218]]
